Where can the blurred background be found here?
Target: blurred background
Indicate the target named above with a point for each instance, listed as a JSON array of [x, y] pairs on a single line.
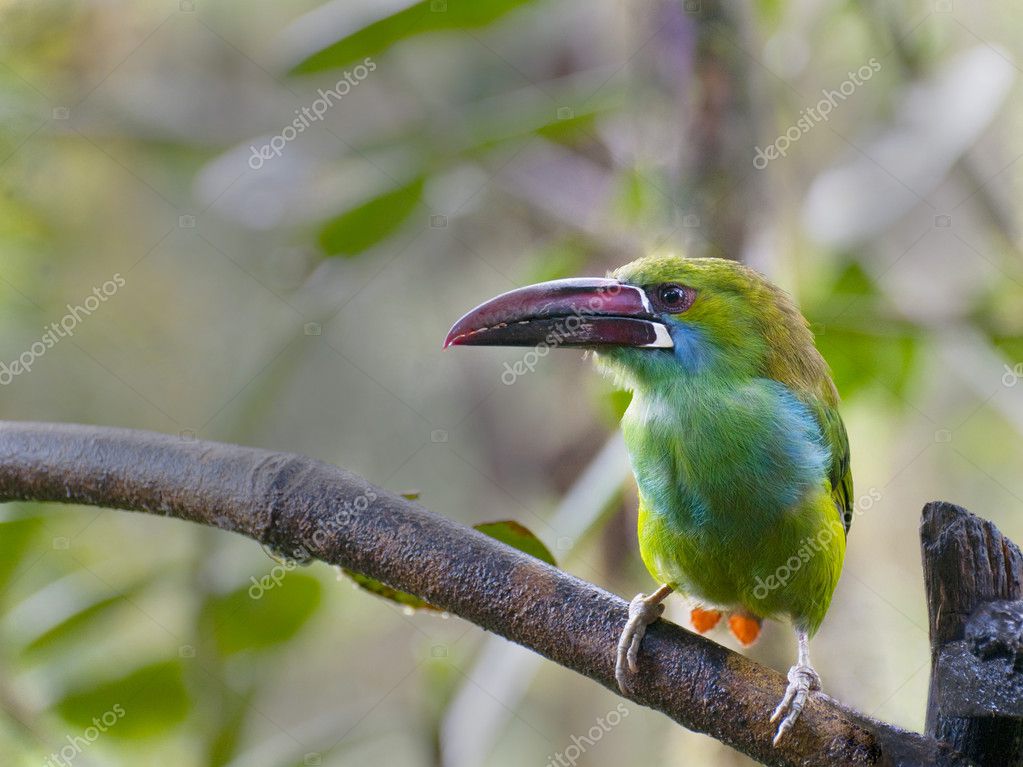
[[255, 222]]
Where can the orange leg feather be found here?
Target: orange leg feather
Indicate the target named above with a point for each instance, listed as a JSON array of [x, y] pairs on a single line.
[[704, 620], [745, 628]]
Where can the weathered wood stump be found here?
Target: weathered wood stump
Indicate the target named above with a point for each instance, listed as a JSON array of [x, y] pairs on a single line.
[[974, 580]]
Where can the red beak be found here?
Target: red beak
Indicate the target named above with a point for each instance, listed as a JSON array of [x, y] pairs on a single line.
[[588, 312]]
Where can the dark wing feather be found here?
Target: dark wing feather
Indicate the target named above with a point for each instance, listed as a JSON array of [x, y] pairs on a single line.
[[839, 473]]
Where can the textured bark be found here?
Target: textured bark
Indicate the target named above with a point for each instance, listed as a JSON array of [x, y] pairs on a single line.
[[301, 506], [974, 579]]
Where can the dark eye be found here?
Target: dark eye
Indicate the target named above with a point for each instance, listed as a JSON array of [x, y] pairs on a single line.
[[674, 298]]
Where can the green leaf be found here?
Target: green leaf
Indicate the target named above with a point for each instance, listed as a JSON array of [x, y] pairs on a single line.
[[373, 586], [499, 121], [75, 625], [362, 227], [556, 261], [267, 612], [146, 703], [617, 401], [860, 359], [565, 130], [518, 537], [417, 19], [854, 281], [16, 538], [1012, 348]]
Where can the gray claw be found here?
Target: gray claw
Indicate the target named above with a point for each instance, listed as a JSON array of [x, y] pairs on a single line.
[[641, 614], [802, 681]]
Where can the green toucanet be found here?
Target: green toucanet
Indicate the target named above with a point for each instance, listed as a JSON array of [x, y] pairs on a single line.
[[733, 432]]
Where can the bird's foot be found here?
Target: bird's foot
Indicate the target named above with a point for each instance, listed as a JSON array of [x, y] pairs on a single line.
[[802, 681], [643, 610]]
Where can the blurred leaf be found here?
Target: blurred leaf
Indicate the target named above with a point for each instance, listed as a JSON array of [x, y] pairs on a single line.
[[417, 19], [262, 615], [224, 743], [997, 314], [637, 198], [861, 345], [412, 495], [73, 627], [617, 401], [556, 261], [770, 11], [145, 703], [362, 227], [568, 128], [1011, 347], [381, 589], [489, 125], [518, 537], [861, 359], [854, 281], [16, 538]]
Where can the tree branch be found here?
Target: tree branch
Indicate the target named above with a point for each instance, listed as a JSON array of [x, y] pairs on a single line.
[[294, 503]]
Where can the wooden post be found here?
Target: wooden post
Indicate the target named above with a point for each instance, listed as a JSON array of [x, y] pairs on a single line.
[[974, 580]]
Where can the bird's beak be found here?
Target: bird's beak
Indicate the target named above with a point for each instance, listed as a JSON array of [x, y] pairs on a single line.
[[588, 312]]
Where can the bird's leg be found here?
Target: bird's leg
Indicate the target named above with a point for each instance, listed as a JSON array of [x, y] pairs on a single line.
[[643, 610], [802, 681]]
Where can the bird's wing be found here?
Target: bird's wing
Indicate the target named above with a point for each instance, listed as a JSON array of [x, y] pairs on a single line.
[[839, 472]]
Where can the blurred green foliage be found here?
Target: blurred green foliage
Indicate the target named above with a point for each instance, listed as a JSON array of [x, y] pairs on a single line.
[[153, 700], [496, 143], [251, 618]]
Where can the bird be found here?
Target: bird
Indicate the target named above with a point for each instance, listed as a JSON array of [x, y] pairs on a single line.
[[733, 432]]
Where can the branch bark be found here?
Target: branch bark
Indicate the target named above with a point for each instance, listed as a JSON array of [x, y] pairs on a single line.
[[295, 504]]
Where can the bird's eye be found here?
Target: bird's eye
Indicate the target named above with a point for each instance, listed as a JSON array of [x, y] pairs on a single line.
[[674, 298]]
